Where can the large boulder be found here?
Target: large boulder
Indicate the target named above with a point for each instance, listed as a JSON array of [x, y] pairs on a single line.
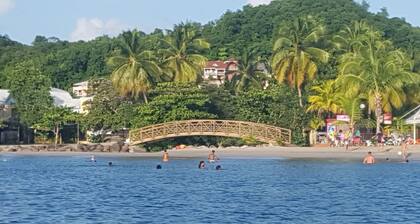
[[98, 148], [115, 147], [135, 148], [125, 148]]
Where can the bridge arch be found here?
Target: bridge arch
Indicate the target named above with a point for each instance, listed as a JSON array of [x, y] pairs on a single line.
[[225, 128]]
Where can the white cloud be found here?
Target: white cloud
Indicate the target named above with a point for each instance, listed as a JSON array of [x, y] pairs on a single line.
[[258, 2], [89, 29], [6, 5]]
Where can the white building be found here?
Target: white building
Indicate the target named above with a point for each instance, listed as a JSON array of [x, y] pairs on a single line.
[[81, 89], [61, 98], [415, 121]]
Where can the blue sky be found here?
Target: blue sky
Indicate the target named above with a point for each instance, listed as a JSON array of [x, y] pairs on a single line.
[[75, 20]]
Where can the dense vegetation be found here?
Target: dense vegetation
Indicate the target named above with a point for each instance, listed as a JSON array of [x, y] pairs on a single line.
[[312, 51]]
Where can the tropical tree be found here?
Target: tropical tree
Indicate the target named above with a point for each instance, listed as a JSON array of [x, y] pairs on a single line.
[[135, 70], [248, 74], [350, 106], [378, 71], [325, 98], [351, 38], [295, 54], [54, 119], [181, 53]]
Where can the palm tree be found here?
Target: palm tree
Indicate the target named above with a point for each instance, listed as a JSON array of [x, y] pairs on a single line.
[[135, 69], [351, 38], [248, 74], [295, 55], [181, 53], [350, 106], [377, 71], [325, 98]]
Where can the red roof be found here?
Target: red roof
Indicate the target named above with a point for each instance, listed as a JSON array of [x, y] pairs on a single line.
[[216, 64], [219, 64]]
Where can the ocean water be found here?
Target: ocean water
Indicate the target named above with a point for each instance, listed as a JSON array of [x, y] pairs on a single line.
[[71, 189]]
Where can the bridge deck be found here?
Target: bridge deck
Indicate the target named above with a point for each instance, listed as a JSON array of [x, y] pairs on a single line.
[[227, 128]]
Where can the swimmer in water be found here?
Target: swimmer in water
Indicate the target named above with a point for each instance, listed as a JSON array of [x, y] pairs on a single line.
[[109, 163], [158, 167], [218, 167], [212, 157], [92, 158], [165, 157], [201, 165], [369, 159]]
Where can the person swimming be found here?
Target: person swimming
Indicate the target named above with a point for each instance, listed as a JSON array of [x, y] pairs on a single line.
[[165, 157], [369, 159], [109, 163], [201, 165], [158, 167], [218, 167], [212, 157], [92, 158]]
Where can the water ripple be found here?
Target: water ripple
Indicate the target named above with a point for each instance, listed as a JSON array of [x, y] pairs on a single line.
[[73, 190]]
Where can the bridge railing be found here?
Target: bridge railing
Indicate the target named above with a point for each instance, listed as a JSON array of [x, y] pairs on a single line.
[[227, 128]]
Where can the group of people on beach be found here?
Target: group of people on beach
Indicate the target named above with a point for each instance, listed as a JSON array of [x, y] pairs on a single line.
[[346, 138], [212, 158], [342, 138]]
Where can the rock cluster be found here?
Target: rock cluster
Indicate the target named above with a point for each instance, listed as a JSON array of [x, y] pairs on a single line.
[[99, 147]]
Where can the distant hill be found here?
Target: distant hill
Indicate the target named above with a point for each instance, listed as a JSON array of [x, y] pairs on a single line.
[[253, 27], [250, 28]]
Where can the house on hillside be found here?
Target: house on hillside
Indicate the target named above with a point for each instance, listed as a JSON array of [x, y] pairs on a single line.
[[63, 98], [216, 72]]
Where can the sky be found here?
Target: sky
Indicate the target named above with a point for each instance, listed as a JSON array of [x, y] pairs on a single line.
[[75, 20]]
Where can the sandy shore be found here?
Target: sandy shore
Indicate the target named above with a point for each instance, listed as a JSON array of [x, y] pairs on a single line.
[[354, 153]]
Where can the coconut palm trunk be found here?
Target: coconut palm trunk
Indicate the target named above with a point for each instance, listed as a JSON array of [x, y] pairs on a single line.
[[300, 96], [145, 97]]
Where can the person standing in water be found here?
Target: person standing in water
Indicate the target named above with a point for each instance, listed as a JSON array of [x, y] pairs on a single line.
[[404, 151], [212, 157], [165, 157], [369, 159], [201, 165]]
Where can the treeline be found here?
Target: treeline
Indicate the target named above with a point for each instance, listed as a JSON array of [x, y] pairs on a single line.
[[250, 28]]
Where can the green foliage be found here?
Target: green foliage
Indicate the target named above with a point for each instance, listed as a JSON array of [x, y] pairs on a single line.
[[135, 70], [30, 89], [278, 105], [174, 101], [54, 118], [108, 110], [295, 54], [182, 53], [251, 141]]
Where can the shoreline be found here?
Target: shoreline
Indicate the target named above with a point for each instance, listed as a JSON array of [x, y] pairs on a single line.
[[354, 153]]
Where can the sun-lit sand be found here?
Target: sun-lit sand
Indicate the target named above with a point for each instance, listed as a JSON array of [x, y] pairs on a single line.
[[354, 153]]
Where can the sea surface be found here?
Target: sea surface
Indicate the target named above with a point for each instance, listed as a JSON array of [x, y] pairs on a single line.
[[71, 189]]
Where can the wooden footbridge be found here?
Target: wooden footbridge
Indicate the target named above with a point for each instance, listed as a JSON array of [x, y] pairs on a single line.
[[226, 128]]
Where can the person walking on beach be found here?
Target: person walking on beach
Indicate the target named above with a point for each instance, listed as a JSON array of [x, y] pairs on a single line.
[[212, 157], [404, 151], [165, 157], [369, 159]]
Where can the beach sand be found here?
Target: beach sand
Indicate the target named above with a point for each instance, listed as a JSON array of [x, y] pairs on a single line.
[[354, 153]]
